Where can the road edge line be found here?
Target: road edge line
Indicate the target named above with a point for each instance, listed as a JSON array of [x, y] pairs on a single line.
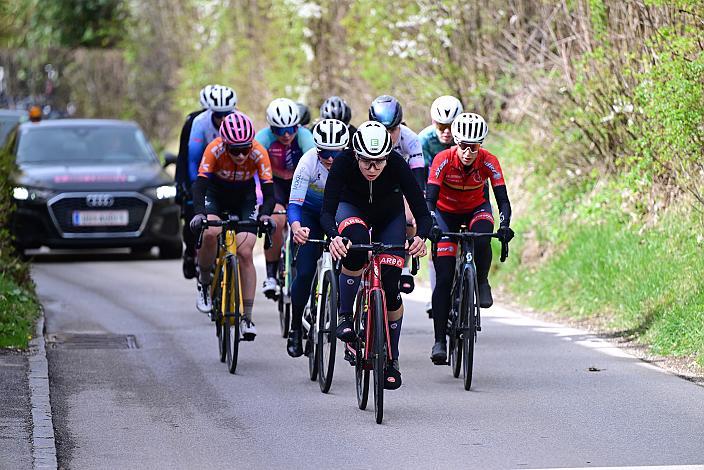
[[43, 440]]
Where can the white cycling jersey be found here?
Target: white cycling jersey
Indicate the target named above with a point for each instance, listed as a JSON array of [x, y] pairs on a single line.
[[410, 148]]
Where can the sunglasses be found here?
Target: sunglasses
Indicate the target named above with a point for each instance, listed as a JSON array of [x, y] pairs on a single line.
[[473, 147], [442, 127], [368, 163], [238, 149], [281, 131], [326, 154]]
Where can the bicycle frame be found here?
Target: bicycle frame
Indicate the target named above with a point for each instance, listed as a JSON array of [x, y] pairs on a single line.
[[227, 247], [325, 264]]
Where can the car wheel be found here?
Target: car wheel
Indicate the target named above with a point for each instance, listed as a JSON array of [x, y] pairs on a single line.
[[171, 251]]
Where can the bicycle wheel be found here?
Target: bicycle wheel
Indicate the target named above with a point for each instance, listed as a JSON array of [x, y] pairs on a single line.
[[453, 330], [468, 321], [327, 342], [361, 374], [232, 323], [284, 307], [217, 313], [310, 347], [379, 354]]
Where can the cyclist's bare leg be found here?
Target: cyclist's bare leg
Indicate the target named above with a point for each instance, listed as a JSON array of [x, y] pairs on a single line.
[[208, 250], [406, 278], [248, 274]]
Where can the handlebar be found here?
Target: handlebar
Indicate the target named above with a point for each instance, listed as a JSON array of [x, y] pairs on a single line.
[[467, 236], [325, 243], [264, 227]]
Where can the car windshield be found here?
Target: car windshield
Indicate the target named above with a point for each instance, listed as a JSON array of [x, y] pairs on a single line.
[[7, 122], [84, 144]]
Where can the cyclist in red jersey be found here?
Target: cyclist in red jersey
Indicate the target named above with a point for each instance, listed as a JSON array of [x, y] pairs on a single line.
[[456, 196]]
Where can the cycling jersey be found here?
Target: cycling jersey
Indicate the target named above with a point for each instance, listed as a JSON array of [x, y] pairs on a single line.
[[284, 158], [219, 173], [203, 132], [408, 146], [308, 186], [456, 189], [381, 196], [182, 176], [431, 144]]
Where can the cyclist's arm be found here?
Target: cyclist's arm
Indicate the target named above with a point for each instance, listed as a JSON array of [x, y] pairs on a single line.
[[299, 188], [305, 139], [435, 176], [265, 179], [493, 171], [200, 186], [182, 160], [331, 197], [196, 147], [414, 196], [432, 192], [419, 176]]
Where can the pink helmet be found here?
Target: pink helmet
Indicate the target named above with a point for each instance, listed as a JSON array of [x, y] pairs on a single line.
[[237, 129]]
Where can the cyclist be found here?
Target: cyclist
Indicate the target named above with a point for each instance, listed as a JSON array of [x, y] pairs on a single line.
[[183, 185], [387, 110], [304, 114], [331, 138], [286, 143], [456, 195], [434, 139], [225, 183], [365, 190], [337, 108]]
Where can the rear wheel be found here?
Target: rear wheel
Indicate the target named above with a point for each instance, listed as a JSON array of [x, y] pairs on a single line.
[[379, 353], [311, 347], [284, 306], [469, 331], [360, 372], [217, 314], [327, 342], [454, 333], [232, 323]]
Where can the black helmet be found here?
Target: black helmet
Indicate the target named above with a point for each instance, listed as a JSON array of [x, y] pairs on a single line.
[[386, 110], [303, 114], [336, 108]]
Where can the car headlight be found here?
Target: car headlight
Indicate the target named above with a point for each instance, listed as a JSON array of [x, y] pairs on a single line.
[[21, 193], [167, 191]]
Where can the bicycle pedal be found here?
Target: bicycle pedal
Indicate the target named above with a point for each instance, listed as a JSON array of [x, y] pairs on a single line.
[[349, 357], [479, 328]]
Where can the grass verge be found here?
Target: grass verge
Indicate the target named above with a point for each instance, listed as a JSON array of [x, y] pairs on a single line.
[[18, 311]]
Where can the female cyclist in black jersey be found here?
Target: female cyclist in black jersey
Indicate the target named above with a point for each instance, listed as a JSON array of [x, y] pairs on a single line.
[[365, 192]]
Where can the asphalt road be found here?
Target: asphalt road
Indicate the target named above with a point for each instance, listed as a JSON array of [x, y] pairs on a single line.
[[172, 404]]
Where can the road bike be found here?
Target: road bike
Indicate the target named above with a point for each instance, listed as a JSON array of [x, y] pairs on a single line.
[[284, 279], [464, 318], [226, 289], [320, 319], [372, 347]]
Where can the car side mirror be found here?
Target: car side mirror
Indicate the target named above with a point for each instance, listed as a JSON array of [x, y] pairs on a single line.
[[169, 159]]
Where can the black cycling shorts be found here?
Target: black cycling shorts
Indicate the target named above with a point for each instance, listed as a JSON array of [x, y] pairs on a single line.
[[243, 206]]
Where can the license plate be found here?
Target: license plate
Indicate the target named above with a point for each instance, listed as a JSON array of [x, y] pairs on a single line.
[[100, 218]]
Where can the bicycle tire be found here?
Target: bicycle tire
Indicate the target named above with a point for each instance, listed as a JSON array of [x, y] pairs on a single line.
[[310, 334], [469, 306], [360, 372], [217, 303], [327, 342], [454, 333], [232, 327], [284, 307], [379, 357]]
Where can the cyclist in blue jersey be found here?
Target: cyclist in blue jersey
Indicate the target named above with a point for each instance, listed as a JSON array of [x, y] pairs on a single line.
[[182, 178], [434, 139], [305, 203], [286, 142], [388, 111]]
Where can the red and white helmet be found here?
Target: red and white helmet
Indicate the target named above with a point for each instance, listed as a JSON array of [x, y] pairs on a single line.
[[237, 129]]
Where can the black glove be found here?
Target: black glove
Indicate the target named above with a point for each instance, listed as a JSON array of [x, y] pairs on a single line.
[[505, 234], [196, 223], [435, 234]]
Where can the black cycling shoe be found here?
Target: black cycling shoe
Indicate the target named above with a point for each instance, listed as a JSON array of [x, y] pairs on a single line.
[[406, 284], [345, 329], [294, 344], [350, 355], [189, 267], [439, 353], [485, 299], [392, 376]]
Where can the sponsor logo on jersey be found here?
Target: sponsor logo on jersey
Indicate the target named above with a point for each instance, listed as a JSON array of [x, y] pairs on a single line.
[[350, 221], [440, 167], [496, 174]]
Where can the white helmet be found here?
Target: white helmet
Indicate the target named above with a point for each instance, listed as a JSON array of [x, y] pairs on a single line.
[[445, 109], [469, 127], [221, 99], [204, 92], [282, 112], [372, 140], [331, 134]]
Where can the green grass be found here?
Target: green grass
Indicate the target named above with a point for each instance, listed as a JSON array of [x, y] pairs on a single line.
[[18, 310]]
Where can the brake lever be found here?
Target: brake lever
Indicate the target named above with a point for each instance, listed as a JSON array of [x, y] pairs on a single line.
[[504, 251]]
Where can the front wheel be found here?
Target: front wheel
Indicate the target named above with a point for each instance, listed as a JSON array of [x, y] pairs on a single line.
[[231, 322], [327, 342], [379, 354], [361, 373], [469, 327]]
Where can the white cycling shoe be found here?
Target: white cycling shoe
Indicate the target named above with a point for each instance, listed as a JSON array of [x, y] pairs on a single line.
[[204, 303], [270, 289], [247, 330]]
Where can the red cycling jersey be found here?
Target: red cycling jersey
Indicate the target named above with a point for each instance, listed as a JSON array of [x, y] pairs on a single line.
[[461, 188]]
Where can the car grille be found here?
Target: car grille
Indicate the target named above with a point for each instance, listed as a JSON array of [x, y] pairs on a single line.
[[62, 207]]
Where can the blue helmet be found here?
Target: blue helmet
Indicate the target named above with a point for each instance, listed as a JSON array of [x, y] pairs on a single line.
[[386, 110]]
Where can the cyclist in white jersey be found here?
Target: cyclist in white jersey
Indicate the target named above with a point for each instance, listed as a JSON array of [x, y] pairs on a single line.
[[387, 110]]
